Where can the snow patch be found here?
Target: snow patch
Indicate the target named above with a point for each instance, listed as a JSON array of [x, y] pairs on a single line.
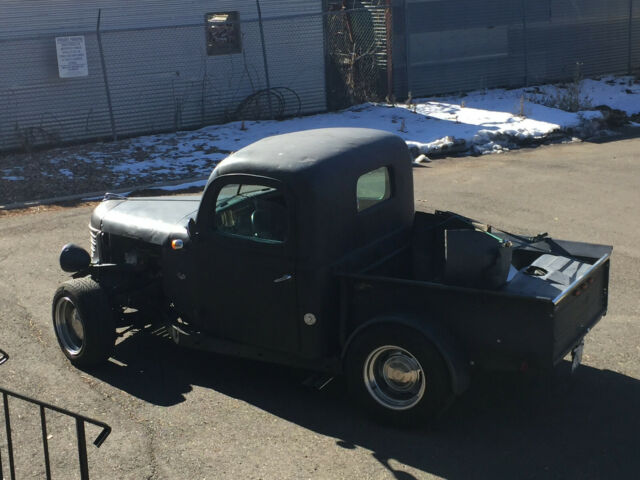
[[479, 122]]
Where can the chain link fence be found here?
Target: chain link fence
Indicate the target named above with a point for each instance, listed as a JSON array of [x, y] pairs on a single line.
[[358, 54], [176, 84], [162, 78], [293, 58]]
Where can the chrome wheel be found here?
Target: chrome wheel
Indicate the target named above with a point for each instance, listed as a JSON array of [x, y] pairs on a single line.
[[394, 377], [69, 326]]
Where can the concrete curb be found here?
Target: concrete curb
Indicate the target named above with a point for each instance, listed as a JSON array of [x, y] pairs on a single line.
[[88, 195]]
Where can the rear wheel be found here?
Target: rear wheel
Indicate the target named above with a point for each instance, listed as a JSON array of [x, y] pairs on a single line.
[[83, 322], [398, 375]]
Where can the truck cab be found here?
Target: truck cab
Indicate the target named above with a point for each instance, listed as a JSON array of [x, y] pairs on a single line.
[[275, 222], [306, 249]]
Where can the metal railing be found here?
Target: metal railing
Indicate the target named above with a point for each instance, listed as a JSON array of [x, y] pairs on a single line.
[[80, 421]]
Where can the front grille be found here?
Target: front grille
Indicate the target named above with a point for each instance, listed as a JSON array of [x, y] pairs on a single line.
[[94, 234]]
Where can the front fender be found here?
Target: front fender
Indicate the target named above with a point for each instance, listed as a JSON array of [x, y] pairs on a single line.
[[453, 355]]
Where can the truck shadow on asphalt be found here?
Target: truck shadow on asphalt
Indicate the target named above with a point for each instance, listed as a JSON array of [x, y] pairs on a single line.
[[505, 426]]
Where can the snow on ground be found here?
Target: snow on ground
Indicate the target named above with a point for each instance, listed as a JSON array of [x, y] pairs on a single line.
[[479, 122], [620, 93]]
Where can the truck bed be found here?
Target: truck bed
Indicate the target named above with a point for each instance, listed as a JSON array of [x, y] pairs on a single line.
[[555, 292]]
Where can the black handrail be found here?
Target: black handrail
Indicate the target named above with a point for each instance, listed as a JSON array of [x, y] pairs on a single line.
[[80, 431]]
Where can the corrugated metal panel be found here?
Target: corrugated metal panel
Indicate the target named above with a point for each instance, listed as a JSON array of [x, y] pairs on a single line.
[[378, 16], [634, 37], [35, 17], [460, 45], [160, 78]]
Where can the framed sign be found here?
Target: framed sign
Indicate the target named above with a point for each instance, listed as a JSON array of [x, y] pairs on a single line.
[[223, 33], [72, 57]]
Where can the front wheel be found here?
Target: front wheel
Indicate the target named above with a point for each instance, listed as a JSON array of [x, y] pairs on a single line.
[[83, 321], [397, 375]]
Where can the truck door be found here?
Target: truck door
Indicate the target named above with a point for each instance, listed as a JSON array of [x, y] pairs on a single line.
[[246, 257]]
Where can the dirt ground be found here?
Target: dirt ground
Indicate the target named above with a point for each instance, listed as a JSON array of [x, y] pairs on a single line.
[[85, 168]]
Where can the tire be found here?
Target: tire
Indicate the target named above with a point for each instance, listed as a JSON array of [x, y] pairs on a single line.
[[83, 322], [398, 375]]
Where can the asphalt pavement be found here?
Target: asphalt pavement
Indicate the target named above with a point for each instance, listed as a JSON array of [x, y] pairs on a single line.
[[179, 414]]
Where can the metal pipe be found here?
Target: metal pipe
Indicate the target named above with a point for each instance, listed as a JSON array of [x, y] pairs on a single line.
[[388, 20], [524, 43], [82, 450], [407, 41], [45, 442], [7, 423], [105, 77], [264, 58], [630, 32]]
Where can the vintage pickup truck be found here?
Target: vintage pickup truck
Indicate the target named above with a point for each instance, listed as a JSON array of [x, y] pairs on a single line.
[[305, 249]]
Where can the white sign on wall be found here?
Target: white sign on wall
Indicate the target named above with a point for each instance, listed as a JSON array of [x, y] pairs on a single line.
[[72, 57]]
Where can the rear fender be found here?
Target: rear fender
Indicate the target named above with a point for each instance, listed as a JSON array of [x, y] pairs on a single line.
[[453, 355]]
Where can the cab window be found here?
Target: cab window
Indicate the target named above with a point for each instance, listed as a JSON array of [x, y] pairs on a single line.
[[254, 211], [373, 187]]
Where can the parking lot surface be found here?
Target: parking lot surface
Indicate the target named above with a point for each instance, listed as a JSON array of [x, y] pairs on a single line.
[[181, 414]]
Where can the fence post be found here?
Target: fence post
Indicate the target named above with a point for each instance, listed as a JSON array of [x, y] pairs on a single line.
[[407, 41], [630, 52], [264, 58], [388, 20], [524, 43], [104, 76]]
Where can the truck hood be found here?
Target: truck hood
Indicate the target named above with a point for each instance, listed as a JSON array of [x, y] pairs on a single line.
[[150, 219]]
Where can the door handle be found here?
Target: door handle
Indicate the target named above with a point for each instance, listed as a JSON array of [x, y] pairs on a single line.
[[283, 278]]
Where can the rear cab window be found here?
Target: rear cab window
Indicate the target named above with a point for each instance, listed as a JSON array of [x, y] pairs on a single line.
[[373, 187]]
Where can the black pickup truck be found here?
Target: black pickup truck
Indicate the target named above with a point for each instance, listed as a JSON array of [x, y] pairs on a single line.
[[305, 249]]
